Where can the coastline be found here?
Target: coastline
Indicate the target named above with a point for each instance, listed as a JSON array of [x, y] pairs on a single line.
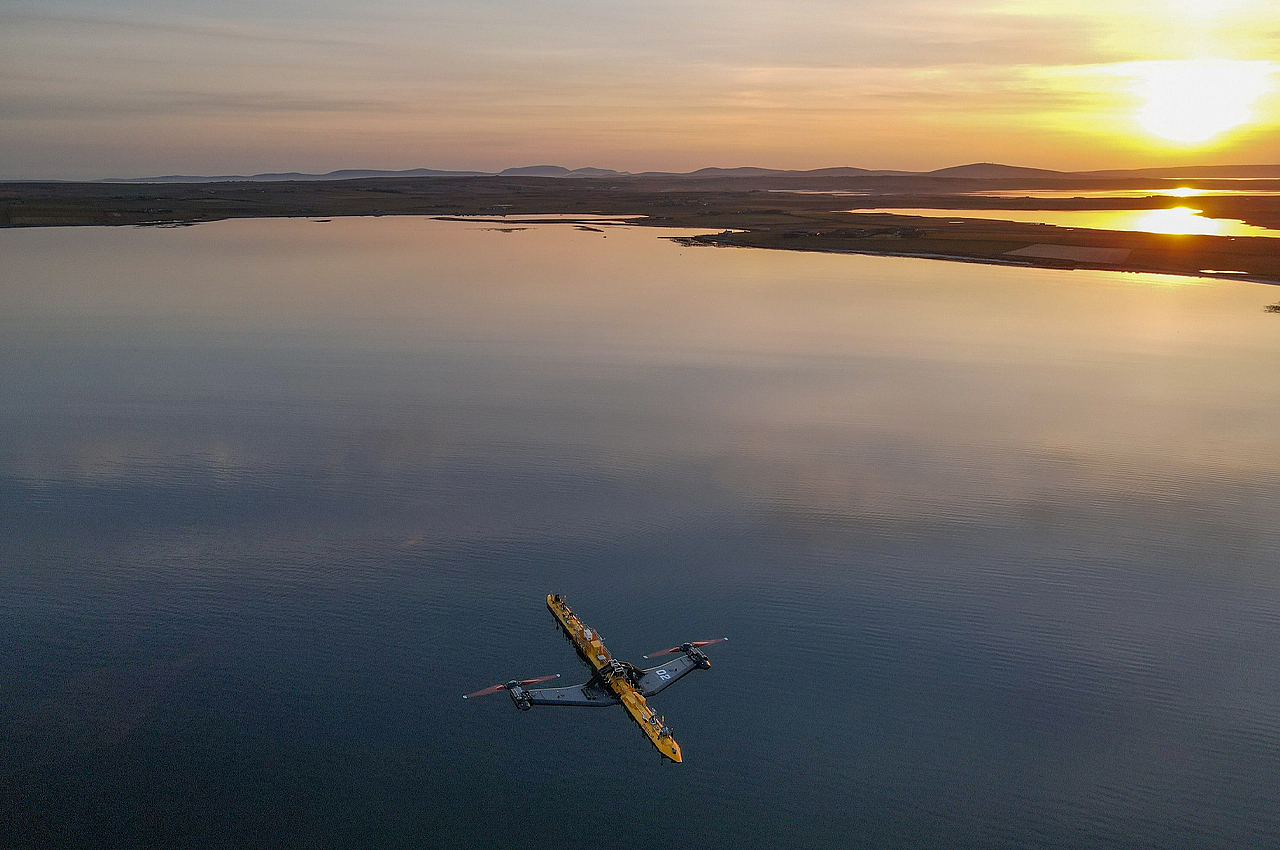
[[746, 213], [990, 261]]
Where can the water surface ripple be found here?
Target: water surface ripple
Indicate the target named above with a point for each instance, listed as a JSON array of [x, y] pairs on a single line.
[[997, 547]]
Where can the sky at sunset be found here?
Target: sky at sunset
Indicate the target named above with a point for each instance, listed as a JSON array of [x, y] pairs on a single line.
[[93, 89]]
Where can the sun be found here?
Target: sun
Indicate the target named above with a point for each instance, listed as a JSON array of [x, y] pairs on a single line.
[[1194, 100]]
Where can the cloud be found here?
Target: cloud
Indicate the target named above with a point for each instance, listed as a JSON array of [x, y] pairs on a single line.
[[76, 105], [654, 76], [73, 25]]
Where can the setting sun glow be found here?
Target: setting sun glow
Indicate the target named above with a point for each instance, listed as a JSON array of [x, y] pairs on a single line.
[[1195, 100], [1179, 220]]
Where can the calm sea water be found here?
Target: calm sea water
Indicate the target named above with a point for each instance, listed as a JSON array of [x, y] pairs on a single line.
[[998, 549]]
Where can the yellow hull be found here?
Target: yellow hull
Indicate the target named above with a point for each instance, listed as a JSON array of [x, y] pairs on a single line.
[[592, 650]]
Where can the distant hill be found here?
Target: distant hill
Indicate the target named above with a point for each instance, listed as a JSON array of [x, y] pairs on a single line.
[[995, 171], [973, 171], [560, 171], [729, 172], [535, 171], [281, 176], [597, 172], [848, 171], [748, 171]]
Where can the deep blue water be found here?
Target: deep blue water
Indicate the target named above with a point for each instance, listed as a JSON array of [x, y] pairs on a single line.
[[998, 550]]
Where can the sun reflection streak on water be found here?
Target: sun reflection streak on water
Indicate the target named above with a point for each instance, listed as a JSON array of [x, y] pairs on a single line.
[[1184, 221], [1179, 192], [1180, 220]]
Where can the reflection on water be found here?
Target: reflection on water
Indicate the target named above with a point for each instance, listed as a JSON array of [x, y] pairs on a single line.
[[542, 217], [1187, 220], [1146, 192], [997, 547], [1182, 220], [1177, 192]]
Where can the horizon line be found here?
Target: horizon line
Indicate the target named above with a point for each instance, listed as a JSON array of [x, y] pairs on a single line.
[[559, 171]]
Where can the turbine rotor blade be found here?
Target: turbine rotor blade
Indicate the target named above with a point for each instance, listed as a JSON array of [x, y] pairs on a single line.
[[674, 649], [495, 688]]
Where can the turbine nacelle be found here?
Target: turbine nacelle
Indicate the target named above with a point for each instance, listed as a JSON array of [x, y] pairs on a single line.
[[693, 649], [515, 688]]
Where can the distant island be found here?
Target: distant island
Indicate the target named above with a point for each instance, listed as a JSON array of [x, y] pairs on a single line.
[[815, 210]]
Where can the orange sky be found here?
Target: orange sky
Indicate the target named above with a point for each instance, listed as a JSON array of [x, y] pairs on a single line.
[[92, 88]]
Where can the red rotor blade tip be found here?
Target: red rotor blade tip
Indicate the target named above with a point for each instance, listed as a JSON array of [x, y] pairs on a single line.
[[541, 679], [485, 691], [663, 652], [708, 642]]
